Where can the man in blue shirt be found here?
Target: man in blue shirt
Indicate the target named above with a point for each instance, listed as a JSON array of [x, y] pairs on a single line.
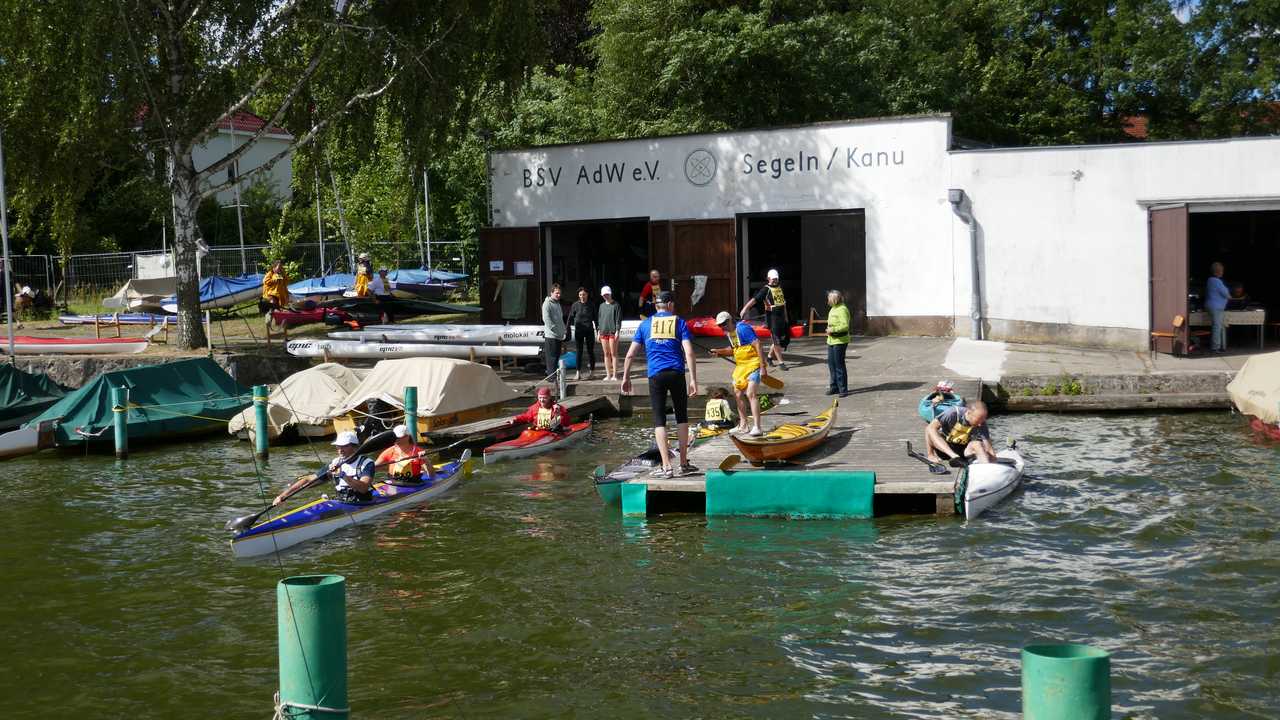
[[668, 349], [1216, 296]]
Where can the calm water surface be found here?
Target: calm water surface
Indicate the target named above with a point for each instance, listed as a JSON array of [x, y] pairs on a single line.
[[519, 595]]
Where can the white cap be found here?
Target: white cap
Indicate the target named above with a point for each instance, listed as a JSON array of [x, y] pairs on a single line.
[[606, 290], [400, 430], [347, 437], [362, 256], [723, 317], [773, 275]]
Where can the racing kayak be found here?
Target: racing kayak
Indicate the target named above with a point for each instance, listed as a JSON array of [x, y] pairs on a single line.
[[356, 349], [26, 345], [707, 327], [983, 485], [536, 442], [321, 517], [466, 334]]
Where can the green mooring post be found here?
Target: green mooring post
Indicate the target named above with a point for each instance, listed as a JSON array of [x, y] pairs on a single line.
[[1066, 682], [261, 425], [312, 628], [411, 411], [120, 420]]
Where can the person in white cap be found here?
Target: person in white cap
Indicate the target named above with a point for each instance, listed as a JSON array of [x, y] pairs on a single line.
[[403, 459], [774, 302], [608, 323], [749, 367], [352, 474]]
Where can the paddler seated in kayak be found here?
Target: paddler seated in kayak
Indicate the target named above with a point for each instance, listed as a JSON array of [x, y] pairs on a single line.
[[403, 460], [352, 474], [744, 348], [960, 431], [545, 414]]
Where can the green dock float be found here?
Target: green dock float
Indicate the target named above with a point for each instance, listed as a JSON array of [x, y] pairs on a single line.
[[312, 629], [411, 411], [261, 425], [1066, 682], [635, 499], [120, 420], [790, 493]]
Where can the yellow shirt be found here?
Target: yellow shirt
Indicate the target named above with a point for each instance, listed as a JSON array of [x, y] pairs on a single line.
[[275, 288], [745, 359], [362, 283]]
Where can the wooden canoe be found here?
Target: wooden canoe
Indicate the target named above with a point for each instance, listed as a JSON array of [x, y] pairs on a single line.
[[787, 440]]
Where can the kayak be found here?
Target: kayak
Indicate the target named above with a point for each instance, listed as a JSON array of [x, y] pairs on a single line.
[[467, 334], [27, 345], [321, 517], [222, 292], [121, 319], [983, 485], [536, 442], [707, 327], [609, 484], [787, 440], [356, 349]]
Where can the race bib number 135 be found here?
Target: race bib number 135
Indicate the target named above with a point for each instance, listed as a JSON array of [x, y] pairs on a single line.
[[663, 328]]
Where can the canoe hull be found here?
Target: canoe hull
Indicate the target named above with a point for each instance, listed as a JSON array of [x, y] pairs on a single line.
[[788, 440], [990, 483], [325, 516], [609, 484], [536, 442], [357, 349], [75, 346]]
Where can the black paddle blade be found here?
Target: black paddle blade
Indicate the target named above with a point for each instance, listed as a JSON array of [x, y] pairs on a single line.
[[246, 521], [959, 462]]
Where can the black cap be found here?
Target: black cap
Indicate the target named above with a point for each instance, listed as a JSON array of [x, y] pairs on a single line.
[[666, 297]]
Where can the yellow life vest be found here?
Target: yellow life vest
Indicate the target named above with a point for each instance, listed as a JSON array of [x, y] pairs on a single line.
[[275, 287], [362, 284], [745, 358], [545, 416], [776, 298], [717, 410], [960, 434]]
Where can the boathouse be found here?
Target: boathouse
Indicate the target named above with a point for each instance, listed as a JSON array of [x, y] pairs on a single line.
[[1100, 245]]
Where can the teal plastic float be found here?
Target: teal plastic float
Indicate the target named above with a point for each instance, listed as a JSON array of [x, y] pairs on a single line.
[[1066, 682]]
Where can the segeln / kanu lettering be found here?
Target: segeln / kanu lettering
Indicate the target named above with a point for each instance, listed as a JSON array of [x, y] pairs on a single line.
[[804, 162]]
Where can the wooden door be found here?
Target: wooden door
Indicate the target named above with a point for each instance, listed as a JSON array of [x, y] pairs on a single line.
[[704, 247], [510, 246], [833, 256], [1168, 260]]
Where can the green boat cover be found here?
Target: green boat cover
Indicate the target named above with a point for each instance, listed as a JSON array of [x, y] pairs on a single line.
[[23, 394], [184, 397]]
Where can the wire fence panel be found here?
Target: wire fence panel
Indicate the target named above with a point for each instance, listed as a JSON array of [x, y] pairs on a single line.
[[89, 278], [33, 271]]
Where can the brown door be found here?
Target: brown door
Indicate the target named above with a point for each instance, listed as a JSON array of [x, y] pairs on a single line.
[[704, 247], [833, 256], [510, 246], [1168, 233]]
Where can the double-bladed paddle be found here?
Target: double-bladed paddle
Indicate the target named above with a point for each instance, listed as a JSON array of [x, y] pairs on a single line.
[[770, 380], [934, 467]]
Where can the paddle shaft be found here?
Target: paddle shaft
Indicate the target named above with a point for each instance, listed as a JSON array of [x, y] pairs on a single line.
[[765, 378]]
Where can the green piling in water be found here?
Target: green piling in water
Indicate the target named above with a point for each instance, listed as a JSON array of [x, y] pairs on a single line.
[[312, 630], [1066, 682], [261, 425], [411, 411], [120, 420]]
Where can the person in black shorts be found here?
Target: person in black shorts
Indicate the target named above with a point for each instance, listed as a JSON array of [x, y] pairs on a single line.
[[668, 349], [771, 298]]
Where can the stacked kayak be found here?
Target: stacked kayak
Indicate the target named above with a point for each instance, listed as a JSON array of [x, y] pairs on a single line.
[[324, 516], [357, 349], [707, 327], [462, 334], [27, 345], [536, 442], [787, 440], [117, 319]]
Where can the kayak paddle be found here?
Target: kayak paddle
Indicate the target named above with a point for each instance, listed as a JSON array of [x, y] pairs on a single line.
[[935, 468], [771, 381]]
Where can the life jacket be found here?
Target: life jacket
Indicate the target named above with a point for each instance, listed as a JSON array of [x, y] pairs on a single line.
[[716, 411], [960, 433], [745, 358], [776, 298], [546, 417], [362, 283], [410, 467]]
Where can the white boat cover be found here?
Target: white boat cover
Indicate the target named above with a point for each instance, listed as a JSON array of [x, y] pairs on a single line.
[[1255, 390], [308, 397], [142, 295], [444, 386]]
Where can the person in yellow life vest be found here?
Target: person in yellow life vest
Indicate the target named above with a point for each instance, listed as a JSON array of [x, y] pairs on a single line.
[[362, 283], [275, 288], [718, 413], [545, 414], [403, 460], [774, 301], [744, 348], [960, 431]]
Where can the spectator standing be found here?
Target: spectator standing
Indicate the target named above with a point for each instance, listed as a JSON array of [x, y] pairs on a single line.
[[582, 320], [1216, 296], [553, 330], [837, 343], [609, 324], [649, 293]]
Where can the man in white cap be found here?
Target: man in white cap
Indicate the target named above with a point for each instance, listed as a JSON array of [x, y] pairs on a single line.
[[608, 324], [748, 360], [403, 459], [774, 302], [352, 474]]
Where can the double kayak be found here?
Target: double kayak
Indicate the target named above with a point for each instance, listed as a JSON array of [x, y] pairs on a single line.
[[321, 517], [536, 442]]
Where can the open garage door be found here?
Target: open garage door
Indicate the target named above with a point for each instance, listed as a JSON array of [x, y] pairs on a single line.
[[1168, 236]]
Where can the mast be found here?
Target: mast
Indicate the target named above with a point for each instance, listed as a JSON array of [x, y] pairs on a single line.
[[4, 234]]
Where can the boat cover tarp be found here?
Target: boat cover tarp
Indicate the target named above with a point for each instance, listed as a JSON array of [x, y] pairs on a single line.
[[23, 394], [1255, 390], [184, 396], [420, 276], [444, 386], [144, 295], [328, 285], [307, 397], [218, 287]]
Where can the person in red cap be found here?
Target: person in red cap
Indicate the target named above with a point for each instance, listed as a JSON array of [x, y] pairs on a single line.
[[545, 414]]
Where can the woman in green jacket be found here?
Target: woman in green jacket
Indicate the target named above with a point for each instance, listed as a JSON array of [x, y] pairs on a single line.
[[837, 343]]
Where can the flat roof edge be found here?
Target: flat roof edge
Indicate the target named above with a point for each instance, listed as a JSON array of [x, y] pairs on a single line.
[[1135, 145]]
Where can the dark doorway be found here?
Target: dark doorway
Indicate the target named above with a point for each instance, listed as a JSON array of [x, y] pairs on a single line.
[[593, 254], [1247, 243]]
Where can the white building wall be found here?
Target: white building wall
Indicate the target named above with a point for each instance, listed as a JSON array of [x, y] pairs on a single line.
[[279, 176]]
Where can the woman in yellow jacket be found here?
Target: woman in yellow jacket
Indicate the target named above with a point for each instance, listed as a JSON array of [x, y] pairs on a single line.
[[837, 343], [275, 288]]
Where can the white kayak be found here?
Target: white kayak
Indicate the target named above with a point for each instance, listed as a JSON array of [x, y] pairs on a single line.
[[383, 350], [989, 483], [450, 334]]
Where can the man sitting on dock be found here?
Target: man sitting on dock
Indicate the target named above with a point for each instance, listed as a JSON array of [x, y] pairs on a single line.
[[403, 459], [545, 414], [668, 349], [960, 431], [352, 474]]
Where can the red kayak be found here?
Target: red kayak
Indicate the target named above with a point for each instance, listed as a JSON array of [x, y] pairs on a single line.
[[27, 345], [707, 327], [536, 442], [290, 318]]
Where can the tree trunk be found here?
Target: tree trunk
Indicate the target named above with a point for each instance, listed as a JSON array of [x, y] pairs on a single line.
[[186, 200]]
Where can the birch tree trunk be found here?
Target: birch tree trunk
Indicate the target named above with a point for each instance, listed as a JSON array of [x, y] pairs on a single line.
[[186, 200]]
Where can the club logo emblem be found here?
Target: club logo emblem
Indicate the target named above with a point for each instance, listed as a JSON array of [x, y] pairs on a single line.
[[700, 167]]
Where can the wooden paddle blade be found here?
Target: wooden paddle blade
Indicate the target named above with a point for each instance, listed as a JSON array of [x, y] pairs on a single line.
[[730, 463], [773, 382]]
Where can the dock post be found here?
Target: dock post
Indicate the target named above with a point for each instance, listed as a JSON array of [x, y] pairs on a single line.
[[635, 499], [120, 420], [1066, 682], [411, 411], [311, 625], [261, 424], [560, 384]]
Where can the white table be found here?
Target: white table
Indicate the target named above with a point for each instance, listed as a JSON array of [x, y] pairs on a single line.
[[1256, 318]]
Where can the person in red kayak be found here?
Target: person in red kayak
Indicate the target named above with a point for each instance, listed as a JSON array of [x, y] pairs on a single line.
[[545, 414]]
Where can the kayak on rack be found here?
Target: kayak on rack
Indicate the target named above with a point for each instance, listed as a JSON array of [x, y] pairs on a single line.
[[27, 345], [536, 442], [787, 440], [222, 292], [324, 516], [983, 485], [356, 349], [707, 327], [469, 334]]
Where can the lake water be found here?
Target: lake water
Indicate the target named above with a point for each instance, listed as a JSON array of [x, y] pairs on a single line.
[[520, 595]]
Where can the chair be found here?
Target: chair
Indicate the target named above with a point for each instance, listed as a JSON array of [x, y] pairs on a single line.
[[814, 321], [1178, 322]]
